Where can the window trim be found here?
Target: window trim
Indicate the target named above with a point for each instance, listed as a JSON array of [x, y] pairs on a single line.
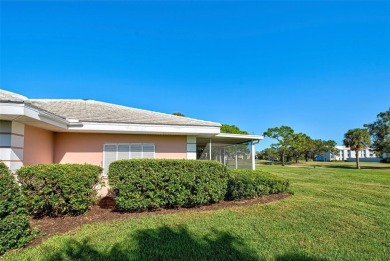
[[128, 144]]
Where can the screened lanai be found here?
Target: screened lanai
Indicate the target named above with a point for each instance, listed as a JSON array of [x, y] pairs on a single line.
[[233, 150]]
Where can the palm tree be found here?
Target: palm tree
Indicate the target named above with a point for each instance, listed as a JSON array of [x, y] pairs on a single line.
[[357, 140]]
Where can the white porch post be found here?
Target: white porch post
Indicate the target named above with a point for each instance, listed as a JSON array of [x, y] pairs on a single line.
[[235, 152], [210, 150], [253, 155]]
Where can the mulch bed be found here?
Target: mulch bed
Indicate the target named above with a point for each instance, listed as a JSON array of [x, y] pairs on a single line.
[[103, 212]]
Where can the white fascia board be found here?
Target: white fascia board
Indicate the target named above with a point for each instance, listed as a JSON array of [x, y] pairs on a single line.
[[46, 117], [143, 128], [22, 109], [11, 109], [240, 136]]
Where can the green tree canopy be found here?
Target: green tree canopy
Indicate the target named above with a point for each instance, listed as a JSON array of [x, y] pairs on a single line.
[[284, 135], [299, 145], [380, 132], [268, 154], [357, 139], [233, 129], [178, 114]]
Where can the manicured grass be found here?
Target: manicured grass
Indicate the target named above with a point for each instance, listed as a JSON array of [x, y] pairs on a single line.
[[336, 164], [335, 214]]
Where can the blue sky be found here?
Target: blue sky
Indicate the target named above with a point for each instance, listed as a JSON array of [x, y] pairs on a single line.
[[320, 67]]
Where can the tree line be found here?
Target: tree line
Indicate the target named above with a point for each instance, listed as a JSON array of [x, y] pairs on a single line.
[[294, 146]]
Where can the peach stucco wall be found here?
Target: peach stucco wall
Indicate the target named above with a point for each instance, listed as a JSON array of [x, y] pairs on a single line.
[[38, 146], [88, 147]]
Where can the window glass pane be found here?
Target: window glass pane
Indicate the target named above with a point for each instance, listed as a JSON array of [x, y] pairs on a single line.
[[123, 152], [148, 151], [109, 156], [136, 151]]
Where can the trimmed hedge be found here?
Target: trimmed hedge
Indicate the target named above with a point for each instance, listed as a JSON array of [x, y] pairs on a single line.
[[385, 160], [244, 184], [141, 184], [14, 223], [59, 189]]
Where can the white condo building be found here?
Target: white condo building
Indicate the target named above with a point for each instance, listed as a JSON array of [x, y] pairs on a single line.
[[346, 154]]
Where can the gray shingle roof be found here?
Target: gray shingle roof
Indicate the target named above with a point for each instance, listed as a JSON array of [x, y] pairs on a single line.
[[95, 111]]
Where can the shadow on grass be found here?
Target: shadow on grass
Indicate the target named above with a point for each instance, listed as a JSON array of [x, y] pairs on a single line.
[[273, 163], [159, 244], [354, 167]]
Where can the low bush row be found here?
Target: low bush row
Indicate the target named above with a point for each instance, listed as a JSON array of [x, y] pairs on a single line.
[[14, 223], [59, 189], [244, 184], [150, 184], [68, 189]]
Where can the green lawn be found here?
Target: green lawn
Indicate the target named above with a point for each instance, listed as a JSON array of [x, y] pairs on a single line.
[[334, 214]]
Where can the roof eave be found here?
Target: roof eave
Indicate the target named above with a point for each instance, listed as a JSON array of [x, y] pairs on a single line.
[[127, 128], [240, 136]]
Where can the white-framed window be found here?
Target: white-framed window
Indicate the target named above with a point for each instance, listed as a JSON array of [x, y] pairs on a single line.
[[118, 151]]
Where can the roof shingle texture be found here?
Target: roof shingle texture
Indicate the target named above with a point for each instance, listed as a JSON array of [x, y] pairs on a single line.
[[11, 96], [95, 111]]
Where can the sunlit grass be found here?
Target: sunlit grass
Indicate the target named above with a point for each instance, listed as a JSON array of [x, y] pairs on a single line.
[[334, 214]]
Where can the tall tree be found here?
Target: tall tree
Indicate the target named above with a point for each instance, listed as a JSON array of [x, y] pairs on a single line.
[[330, 146], [380, 132], [298, 145], [357, 139], [309, 148], [318, 146], [284, 136]]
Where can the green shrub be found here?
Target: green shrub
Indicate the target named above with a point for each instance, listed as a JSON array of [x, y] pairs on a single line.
[[14, 223], [149, 183], [243, 184], [59, 189], [385, 160]]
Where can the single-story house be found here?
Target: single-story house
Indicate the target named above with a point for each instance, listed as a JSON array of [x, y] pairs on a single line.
[[42, 131]]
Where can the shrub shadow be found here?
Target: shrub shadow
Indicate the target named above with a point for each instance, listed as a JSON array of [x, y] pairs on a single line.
[[354, 167], [163, 243], [107, 202]]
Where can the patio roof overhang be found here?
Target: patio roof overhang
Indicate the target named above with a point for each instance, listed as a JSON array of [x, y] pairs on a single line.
[[223, 140], [228, 139]]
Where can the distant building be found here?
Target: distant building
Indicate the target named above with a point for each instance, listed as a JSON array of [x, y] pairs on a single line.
[[346, 154], [386, 155]]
